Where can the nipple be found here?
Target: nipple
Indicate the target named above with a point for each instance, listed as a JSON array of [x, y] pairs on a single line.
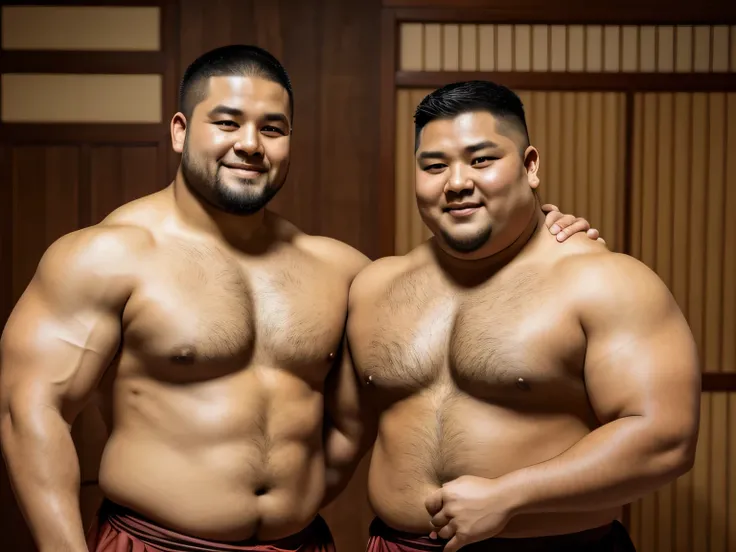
[[521, 384], [331, 356], [185, 355], [369, 380]]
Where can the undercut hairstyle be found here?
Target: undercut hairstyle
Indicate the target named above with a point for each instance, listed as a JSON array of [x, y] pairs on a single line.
[[233, 60], [464, 97]]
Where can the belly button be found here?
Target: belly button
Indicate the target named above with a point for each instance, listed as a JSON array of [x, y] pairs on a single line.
[[260, 491]]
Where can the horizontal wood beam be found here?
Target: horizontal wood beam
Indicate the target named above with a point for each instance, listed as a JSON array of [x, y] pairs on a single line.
[[80, 133], [719, 381], [31, 61], [714, 12], [638, 82]]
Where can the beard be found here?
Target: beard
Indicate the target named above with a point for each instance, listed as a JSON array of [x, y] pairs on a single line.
[[246, 199], [467, 244]]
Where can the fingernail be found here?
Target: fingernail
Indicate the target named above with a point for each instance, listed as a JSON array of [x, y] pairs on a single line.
[[560, 237], [554, 229], [433, 535]]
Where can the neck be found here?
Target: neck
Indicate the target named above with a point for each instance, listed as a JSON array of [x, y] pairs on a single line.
[[202, 217], [483, 266]]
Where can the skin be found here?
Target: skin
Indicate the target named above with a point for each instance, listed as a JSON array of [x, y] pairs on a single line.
[[523, 388], [208, 338]]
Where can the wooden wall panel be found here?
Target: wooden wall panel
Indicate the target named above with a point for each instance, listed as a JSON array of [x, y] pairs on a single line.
[[568, 48], [580, 137]]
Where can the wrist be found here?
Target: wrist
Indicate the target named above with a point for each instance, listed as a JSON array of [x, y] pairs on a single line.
[[517, 491]]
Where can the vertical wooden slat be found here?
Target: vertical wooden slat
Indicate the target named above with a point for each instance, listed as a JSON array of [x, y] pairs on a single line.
[[468, 48], [625, 114], [664, 202], [487, 47], [718, 492], [597, 128], [594, 48], [451, 50], [540, 39], [611, 48], [637, 180], [649, 182], [403, 152], [720, 49], [683, 48], [554, 135], [432, 47], [505, 48], [732, 57], [700, 507], [665, 49], [714, 257], [419, 231], [728, 357], [522, 47], [701, 49], [576, 48], [647, 49], [695, 179], [582, 154], [630, 49], [411, 47], [731, 476], [567, 152], [558, 53]]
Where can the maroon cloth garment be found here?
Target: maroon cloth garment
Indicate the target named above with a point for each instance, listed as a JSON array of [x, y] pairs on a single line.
[[118, 529], [610, 538]]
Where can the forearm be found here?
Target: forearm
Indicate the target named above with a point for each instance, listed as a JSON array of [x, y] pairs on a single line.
[[44, 472], [614, 465]]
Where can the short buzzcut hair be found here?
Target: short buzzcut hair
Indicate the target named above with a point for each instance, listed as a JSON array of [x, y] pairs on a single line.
[[235, 59], [477, 95]]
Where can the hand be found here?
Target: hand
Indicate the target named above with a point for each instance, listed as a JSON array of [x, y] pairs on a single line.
[[469, 509], [564, 226]]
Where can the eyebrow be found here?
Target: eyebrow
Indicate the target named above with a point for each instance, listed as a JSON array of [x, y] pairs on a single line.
[[469, 149]]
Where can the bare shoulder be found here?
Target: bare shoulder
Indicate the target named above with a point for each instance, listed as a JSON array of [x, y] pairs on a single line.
[[338, 255], [375, 278]]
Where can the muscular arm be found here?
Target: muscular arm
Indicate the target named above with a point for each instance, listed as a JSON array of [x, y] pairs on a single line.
[[643, 381], [61, 336]]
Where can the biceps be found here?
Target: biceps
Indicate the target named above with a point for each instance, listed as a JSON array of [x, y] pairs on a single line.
[[55, 360], [636, 371]]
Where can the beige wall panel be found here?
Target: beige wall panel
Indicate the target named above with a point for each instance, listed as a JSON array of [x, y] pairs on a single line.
[[594, 48], [81, 98], [522, 48], [720, 48], [576, 48], [505, 48], [451, 47], [629, 49], [468, 47], [728, 357], [412, 44], [540, 45], [432, 47], [119, 28], [611, 48], [683, 49], [647, 49], [702, 49], [558, 48], [665, 49], [487, 47]]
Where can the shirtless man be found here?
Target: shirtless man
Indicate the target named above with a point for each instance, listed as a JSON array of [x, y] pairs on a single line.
[[522, 392], [207, 326]]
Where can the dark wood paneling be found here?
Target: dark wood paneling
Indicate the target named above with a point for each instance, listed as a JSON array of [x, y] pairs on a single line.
[[119, 174], [386, 189], [609, 82], [570, 11], [17, 61], [80, 133]]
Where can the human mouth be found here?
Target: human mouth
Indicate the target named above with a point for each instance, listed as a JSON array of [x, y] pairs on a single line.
[[462, 210], [245, 171]]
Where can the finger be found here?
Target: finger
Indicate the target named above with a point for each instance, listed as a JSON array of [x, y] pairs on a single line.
[[551, 220], [440, 519], [547, 207], [433, 504], [562, 222], [580, 225], [447, 532], [454, 545], [602, 241], [593, 233]]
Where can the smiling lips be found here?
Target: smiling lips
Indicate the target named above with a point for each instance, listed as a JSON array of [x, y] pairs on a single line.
[[460, 210], [243, 170]]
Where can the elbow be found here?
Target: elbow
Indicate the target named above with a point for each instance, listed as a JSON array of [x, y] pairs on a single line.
[[675, 455]]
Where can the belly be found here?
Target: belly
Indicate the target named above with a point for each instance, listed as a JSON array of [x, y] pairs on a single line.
[[228, 462], [424, 442]]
